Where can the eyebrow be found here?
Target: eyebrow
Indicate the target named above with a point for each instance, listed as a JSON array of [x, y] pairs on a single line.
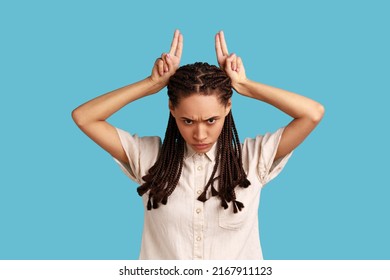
[[189, 119]]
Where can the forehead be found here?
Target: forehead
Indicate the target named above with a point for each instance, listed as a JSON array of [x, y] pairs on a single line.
[[198, 105]]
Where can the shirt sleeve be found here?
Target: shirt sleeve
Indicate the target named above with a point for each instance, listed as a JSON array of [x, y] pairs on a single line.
[[141, 152], [259, 156]]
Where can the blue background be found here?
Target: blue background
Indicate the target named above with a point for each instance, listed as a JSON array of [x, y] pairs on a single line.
[[63, 197]]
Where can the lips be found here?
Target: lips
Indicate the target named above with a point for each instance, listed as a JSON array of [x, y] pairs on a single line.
[[201, 146]]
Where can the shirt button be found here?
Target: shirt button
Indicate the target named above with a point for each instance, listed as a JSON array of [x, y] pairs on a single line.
[[199, 168], [198, 238], [198, 210], [199, 191]]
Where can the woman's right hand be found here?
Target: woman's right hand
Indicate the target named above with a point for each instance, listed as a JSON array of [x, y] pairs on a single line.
[[166, 65], [91, 116]]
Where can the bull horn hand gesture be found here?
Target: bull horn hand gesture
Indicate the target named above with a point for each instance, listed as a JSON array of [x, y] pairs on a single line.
[[231, 64], [166, 65]]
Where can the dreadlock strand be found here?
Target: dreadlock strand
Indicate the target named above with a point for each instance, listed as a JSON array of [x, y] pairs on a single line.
[[210, 183]]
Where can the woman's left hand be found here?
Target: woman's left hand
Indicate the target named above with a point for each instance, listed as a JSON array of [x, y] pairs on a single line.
[[231, 64]]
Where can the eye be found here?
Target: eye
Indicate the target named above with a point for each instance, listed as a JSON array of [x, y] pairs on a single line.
[[188, 122], [211, 121]]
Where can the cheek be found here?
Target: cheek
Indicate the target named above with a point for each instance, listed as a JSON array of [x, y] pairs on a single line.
[[184, 130], [217, 130]]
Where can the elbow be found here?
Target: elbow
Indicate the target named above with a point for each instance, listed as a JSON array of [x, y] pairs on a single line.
[[77, 117], [318, 113]]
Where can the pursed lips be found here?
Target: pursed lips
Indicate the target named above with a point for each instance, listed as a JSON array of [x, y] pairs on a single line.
[[201, 145]]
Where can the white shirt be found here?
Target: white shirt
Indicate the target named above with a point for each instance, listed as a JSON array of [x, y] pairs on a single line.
[[187, 228]]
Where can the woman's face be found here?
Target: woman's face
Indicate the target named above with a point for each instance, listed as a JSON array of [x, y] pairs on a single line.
[[200, 120]]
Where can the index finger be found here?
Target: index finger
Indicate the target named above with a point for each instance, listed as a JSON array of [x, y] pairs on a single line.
[[177, 44]]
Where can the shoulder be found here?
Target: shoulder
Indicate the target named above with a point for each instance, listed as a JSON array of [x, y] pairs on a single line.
[[139, 148], [134, 139], [268, 141], [141, 153], [258, 155]]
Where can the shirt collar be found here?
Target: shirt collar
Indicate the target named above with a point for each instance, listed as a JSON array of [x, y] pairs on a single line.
[[211, 154]]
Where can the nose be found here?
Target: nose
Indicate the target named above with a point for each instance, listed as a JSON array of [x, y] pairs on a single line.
[[200, 133]]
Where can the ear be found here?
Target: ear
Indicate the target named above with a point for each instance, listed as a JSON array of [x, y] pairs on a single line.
[[171, 108], [228, 107]]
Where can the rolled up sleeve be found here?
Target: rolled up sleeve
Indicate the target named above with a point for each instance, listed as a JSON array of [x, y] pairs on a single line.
[[141, 153], [259, 156]]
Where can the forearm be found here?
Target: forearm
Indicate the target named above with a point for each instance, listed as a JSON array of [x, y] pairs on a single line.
[[102, 107], [295, 105]]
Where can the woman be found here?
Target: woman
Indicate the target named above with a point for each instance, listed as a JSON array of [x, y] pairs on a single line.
[[201, 187]]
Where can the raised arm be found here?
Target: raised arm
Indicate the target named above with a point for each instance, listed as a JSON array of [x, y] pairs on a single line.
[[306, 113], [91, 116]]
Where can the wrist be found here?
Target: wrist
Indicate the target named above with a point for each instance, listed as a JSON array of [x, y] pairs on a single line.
[[241, 86], [154, 86]]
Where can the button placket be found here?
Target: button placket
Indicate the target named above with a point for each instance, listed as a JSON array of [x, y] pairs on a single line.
[[198, 217]]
